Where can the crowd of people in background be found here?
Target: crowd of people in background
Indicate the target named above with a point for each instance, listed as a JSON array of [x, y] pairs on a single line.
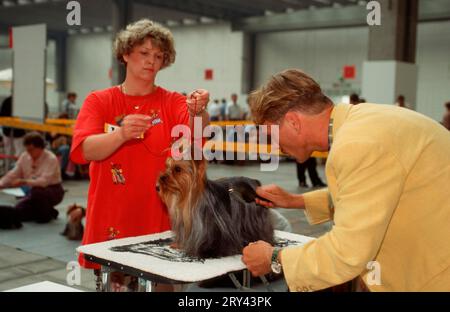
[[223, 110], [218, 109]]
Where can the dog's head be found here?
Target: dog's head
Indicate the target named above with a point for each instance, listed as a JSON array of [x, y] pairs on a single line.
[[182, 183], [75, 213]]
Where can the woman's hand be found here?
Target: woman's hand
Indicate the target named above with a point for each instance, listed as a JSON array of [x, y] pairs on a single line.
[[18, 183], [134, 126], [275, 196], [197, 101]]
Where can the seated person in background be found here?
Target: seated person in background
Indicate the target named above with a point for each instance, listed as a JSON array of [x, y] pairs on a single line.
[[37, 170], [60, 145]]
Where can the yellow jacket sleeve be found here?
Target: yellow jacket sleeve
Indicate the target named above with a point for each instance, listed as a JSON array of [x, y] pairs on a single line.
[[369, 184], [318, 206]]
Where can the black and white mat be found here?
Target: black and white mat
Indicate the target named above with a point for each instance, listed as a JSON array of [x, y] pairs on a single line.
[[151, 257]]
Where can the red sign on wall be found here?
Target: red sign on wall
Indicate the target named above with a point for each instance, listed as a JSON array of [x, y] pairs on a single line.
[[10, 37], [349, 72], [209, 74]]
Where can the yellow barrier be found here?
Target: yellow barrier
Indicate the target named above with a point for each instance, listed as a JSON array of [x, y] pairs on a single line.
[[264, 149], [61, 122], [28, 125], [231, 123], [67, 129]]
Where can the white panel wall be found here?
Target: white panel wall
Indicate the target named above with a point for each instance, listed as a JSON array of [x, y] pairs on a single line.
[[433, 57], [5, 62], [29, 64], [88, 63], [320, 53], [198, 48], [383, 81], [52, 96], [202, 47]]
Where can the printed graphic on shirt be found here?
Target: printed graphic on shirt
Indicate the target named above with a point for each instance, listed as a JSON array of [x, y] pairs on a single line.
[[156, 119], [117, 174], [112, 233]]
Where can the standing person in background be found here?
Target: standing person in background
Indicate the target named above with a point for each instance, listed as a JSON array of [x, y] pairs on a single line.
[[223, 109], [125, 133], [354, 99], [247, 111], [69, 105], [401, 102], [446, 118], [311, 165], [234, 111], [214, 111], [12, 138]]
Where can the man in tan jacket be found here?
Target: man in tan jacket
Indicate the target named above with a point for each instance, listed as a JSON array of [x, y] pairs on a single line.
[[388, 173]]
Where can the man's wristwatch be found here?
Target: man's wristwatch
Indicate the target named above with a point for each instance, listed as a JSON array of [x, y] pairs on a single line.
[[276, 265]]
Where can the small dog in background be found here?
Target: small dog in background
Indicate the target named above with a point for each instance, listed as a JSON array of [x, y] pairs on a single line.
[[212, 219], [74, 229], [9, 219]]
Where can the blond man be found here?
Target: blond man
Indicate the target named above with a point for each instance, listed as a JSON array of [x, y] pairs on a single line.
[[387, 174]]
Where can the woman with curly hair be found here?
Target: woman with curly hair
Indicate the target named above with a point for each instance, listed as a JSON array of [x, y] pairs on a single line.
[[125, 133]]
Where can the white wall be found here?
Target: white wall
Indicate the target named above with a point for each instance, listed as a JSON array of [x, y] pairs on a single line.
[[323, 53], [52, 97], [202, 47], [5, 62], [198, 48], [88, 63], [320, 53], [433, 57], [6, 55]]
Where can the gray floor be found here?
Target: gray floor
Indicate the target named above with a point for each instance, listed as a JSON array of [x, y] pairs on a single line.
[[38, 253]]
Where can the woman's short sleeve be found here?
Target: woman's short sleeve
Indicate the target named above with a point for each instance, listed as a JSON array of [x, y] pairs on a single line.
[[91, 120]]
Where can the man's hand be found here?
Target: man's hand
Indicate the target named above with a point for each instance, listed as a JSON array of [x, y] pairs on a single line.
[[133, 126], [258, 258], [275, 196]]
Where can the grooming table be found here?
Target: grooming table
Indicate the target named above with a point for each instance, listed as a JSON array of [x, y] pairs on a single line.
[[152, 260]]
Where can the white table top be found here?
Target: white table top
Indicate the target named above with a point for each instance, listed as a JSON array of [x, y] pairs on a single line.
[[150, 254], [44, 287]]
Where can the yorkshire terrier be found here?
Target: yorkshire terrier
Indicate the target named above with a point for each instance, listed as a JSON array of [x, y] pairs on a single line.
[[212, 219], [74, 229]]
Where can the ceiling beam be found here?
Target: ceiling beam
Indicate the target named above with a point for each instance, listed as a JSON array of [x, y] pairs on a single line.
[[304, 19], [346, 16], [14, 4], [198, 7]]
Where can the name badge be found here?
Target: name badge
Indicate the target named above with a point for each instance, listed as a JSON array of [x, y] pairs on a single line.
[[111, 128]]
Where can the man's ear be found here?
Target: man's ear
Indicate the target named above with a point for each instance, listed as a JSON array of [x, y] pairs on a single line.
[[125, 57], [294, 120]]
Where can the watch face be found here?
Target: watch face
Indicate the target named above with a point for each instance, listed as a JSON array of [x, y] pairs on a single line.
[[276, 268]]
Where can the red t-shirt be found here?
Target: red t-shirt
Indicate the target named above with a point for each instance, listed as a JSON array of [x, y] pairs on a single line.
[[122, 198]]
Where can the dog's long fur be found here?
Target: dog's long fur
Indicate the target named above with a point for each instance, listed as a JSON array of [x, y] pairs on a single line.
[[212, 219]]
